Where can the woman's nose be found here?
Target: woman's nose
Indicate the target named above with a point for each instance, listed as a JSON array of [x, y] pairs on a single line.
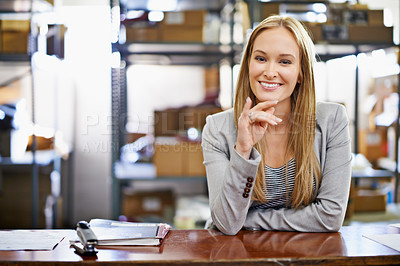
[[270, 70]]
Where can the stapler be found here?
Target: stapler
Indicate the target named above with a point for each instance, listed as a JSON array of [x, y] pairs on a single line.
[[87, 238]]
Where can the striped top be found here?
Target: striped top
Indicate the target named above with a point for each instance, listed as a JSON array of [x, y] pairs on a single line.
[[278, 188]]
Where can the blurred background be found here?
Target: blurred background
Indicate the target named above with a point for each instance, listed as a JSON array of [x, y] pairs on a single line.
[[102, 103]]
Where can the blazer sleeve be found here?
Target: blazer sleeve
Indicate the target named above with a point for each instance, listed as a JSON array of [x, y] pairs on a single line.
[[228, 175], [326, 213]]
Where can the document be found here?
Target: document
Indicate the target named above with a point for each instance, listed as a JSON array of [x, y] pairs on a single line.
[[389, 240], [111, 233], [395, 225], [32, 239]]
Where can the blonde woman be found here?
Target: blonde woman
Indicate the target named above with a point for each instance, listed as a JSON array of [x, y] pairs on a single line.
[[278, 160]]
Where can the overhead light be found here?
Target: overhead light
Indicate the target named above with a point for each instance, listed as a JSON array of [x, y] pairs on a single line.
[[321, 18], [311, 16], [319, 7], [132, 14], [156, 16]]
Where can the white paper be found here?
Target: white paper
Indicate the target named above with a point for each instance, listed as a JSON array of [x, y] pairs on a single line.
[[395, 225], [31, 239], [389, 240]]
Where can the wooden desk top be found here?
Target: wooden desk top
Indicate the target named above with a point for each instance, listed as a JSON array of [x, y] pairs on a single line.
[[201, 247]]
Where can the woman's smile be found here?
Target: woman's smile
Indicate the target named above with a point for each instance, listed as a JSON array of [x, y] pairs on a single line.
[[270, 86]]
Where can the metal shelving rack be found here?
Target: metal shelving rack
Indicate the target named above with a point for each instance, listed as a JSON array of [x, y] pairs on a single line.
[[8, 11], [192, 54], [177, 54]]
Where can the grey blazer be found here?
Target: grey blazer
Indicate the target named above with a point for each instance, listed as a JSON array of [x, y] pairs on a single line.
[[228, 173]]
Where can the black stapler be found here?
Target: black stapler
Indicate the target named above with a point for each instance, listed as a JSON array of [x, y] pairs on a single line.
[[87, 238]]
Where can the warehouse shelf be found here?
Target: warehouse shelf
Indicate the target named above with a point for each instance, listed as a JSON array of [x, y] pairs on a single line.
[[28, 10], [158, 53], [332, 50], [14, 57], [43, 158], [203, 54], [178, 53]]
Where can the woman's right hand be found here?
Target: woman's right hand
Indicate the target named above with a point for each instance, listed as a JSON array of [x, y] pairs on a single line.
[[252, 124]]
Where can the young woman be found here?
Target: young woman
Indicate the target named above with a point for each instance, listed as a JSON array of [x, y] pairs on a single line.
[[278, 160]]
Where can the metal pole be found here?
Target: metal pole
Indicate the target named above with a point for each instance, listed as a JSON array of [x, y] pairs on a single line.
[[35, 168], [356, 103]]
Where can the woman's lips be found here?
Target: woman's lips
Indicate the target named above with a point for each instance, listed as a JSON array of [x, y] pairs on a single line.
[[270, 85]]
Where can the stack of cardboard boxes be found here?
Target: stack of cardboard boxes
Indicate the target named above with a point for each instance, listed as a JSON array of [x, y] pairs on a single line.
[[345, 24], [184, 26], [174, 154], [14, 36]]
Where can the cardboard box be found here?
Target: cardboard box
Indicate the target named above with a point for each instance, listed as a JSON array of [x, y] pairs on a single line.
[[166, 122], [16, 199], [195, 117], [14, 42], [177, 33], [172, 121], [355, 17], [315, 30], [168, 159], [15, 25], [190, 18], [159, 203], [370, 34], [211, 80], [375, 17], [180, 159], [184, 26], [142, 33], [338, 33], [269, 9], [193, 159], [373, 144], [369, 200], [363, 17]]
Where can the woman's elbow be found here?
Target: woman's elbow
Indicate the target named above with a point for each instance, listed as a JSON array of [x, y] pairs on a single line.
[[333, 228], [227, 228], [333, 223], [230, 231]]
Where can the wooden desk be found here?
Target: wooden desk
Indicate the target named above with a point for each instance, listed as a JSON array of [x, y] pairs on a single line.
[[201, 247]]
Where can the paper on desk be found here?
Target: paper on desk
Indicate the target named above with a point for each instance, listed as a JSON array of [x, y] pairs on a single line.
[[395, 225], [389, 240], [31, 239]]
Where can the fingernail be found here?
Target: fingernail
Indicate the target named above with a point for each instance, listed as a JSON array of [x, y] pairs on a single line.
[[278, 119], [247, 99], [276, 101]]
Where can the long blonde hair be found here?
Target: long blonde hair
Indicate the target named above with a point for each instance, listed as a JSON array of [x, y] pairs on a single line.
[[302, 121]]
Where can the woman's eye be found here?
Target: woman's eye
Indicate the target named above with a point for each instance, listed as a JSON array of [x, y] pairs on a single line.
[[260, 59], [286, 62]]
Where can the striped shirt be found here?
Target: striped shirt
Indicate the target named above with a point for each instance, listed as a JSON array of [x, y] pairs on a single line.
[[279, 186]]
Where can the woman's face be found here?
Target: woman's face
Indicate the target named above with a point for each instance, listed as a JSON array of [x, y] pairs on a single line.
[[274, 65]]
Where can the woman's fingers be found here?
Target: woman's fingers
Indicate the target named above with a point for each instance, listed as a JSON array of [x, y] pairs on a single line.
[[247, 106], [263, 112], [246, 110], [268, 117], [264, 106]]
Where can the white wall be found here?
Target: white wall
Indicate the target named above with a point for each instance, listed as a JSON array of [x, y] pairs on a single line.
[[157, 87], [87, 55]]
